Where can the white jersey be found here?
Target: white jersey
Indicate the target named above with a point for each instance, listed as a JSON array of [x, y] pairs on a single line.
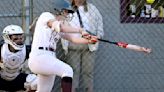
[[43, 35], [12, 62]]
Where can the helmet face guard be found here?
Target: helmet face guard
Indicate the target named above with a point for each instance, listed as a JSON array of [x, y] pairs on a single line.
[[10, 31]]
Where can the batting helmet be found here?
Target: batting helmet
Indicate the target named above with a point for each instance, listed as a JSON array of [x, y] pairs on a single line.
[[12, 30], [60, 5]]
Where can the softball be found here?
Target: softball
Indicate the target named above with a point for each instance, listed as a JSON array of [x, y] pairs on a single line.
[[150, 1]]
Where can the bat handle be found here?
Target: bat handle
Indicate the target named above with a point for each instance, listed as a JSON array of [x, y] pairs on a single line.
[[107, 41]]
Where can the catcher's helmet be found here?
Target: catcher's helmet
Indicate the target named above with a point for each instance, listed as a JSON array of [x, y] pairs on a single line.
[[60, 5], [12, 30]]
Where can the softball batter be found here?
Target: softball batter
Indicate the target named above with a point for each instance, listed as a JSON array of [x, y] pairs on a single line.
[[42, 61]]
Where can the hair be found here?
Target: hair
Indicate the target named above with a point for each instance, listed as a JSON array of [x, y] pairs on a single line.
[[85, 4], [32, 25]]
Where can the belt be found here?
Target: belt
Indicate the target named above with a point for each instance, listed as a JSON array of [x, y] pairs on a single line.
[[46, 48]]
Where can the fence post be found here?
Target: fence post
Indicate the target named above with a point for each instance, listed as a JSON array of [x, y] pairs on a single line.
[[26, 19]]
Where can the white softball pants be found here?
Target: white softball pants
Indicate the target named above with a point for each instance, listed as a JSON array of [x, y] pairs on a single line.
[[47, 66]]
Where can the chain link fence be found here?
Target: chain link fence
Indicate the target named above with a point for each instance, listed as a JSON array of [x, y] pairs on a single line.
[[116, 69]]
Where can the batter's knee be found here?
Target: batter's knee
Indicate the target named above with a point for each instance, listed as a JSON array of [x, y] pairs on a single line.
[[68, 72]]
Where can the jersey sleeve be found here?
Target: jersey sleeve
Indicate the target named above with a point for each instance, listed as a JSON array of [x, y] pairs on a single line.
[[45, 17]]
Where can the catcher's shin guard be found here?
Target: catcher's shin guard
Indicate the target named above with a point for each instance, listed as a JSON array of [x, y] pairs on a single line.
[[66, 84]]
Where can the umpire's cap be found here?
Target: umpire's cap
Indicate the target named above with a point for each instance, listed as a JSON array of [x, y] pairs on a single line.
[[60, 5]]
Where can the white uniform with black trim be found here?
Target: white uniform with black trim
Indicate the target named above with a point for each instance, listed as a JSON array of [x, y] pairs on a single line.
[[42, 61], [43, 35]]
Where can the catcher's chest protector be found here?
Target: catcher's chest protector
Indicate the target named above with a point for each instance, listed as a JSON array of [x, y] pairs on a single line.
[[12, 62]]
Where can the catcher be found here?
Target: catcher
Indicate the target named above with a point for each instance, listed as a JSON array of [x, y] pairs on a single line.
[[14, 54]]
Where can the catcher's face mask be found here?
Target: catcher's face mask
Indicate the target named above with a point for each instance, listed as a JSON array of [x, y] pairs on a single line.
[[14, 35]]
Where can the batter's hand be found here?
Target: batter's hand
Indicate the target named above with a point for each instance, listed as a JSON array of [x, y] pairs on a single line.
[[86, 35], [93, 39]]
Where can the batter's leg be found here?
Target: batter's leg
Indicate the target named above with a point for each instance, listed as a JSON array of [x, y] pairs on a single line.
[[66, 84], [45, 83]]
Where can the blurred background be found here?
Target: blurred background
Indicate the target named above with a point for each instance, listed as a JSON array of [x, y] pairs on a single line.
[[116, 69]]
